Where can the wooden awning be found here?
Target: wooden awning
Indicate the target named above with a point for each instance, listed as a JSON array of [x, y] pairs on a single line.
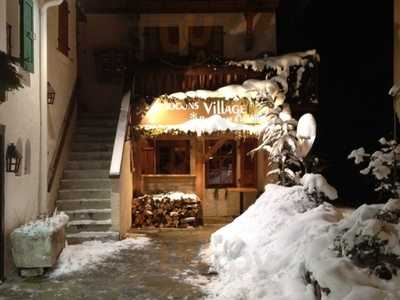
[[176, 6]]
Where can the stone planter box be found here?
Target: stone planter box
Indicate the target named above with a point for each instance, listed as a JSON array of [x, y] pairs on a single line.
[[36, 246]]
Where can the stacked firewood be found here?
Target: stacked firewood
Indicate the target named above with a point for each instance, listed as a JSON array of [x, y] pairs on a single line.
[[164, 210]]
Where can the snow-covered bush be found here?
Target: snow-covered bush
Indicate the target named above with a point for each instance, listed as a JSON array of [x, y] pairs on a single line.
[[382, 165], [317, 188], [287, 142], [370, 239], [279, 140], [285, 248]]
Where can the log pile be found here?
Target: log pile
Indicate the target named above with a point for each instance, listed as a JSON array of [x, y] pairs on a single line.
[[168, 210]]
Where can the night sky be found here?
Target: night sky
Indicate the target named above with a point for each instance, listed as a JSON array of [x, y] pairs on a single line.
[[355, 42]]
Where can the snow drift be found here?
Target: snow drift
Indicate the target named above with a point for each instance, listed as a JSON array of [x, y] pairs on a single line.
[[281, 248]]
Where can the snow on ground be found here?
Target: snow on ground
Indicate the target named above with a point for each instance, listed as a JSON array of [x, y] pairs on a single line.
[[265, 253], [90, 255]]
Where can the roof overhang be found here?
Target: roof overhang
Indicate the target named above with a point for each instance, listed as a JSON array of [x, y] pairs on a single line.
[[176, 6]]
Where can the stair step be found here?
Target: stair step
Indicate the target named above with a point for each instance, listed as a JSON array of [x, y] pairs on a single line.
[[97, 116], [77, 204], [103, 138], [92, 146], [85, 236], [88, 225], [84, 194], [83, 183], [95, 130], [85, 165], [97, 123], [87, 174], [89, 214], [94, 155]]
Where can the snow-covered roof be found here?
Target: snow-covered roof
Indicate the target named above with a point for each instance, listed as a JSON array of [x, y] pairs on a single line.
[[280, 63], [208, 126]]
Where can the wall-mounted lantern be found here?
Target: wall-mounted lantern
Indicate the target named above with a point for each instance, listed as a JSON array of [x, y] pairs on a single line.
[[13, 159], [51, 94]]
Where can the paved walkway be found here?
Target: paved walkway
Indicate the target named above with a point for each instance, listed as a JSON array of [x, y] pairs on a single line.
[[165, 270]]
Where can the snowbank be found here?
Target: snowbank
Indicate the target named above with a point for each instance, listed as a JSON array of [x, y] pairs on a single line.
[[341, 259], [282, 241], [259, 255], [90, 255]]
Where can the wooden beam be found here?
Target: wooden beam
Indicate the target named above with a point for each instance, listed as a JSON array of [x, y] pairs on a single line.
[[177, 6], [199, 168], [215, 148]]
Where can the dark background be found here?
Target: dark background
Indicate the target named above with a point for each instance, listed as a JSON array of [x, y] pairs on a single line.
[[355, 43]]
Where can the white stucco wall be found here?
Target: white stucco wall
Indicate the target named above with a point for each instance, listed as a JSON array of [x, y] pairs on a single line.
[[234, 28], [397, 41], [62, 73], [20, 115]]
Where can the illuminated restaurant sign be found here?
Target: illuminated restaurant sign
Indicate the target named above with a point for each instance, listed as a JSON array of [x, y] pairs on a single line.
[[171, 113]]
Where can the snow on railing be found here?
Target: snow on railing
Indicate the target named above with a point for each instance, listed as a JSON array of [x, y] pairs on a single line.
[[119, 142]]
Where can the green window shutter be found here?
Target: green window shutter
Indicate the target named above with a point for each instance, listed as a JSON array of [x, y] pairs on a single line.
[[27, 36]]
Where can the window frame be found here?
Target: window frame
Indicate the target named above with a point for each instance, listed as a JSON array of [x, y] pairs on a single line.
[[27, 36], [245, 147], [154, 38], [210, 143], [63, 28], [173, 145], [213, 46]]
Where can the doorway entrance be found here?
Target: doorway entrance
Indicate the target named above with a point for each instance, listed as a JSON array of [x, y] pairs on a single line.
[[2, 205]]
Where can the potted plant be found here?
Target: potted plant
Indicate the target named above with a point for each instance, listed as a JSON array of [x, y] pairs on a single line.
[[9, 78]]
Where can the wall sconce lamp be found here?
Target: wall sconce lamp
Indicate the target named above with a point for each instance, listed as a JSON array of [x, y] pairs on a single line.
[[13, 159], [51, 93]]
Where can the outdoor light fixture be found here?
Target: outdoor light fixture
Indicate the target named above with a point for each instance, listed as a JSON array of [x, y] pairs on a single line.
[[51, 94], [13, 159]]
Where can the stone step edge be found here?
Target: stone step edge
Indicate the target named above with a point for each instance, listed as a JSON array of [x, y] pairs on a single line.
[[88, 211], [84, 190], [84, 200], [93, 234], [89, 222], [85, 179]]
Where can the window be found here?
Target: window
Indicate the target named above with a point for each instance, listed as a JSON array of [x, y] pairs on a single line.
[[160, 42], [173, 157], [9, 39], [248, 164], [27, 36], [206, 41], [63, 28], [221, 166]]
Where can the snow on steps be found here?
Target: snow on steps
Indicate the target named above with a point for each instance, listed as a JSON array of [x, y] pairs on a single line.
[[85, 183], [81, 237], [85, 190]]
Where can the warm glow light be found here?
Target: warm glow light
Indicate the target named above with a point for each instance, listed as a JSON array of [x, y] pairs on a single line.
[[155, 112]]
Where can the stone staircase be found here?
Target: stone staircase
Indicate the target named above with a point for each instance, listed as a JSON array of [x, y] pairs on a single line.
[[85, 190]]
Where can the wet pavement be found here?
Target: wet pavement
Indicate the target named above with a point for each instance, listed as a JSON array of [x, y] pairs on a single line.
[[170, 268]]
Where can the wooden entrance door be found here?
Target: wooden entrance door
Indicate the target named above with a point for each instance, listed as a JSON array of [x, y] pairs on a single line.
[[2, 205]]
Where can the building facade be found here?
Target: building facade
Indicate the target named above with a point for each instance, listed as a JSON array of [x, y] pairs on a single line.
[[32, 32]]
